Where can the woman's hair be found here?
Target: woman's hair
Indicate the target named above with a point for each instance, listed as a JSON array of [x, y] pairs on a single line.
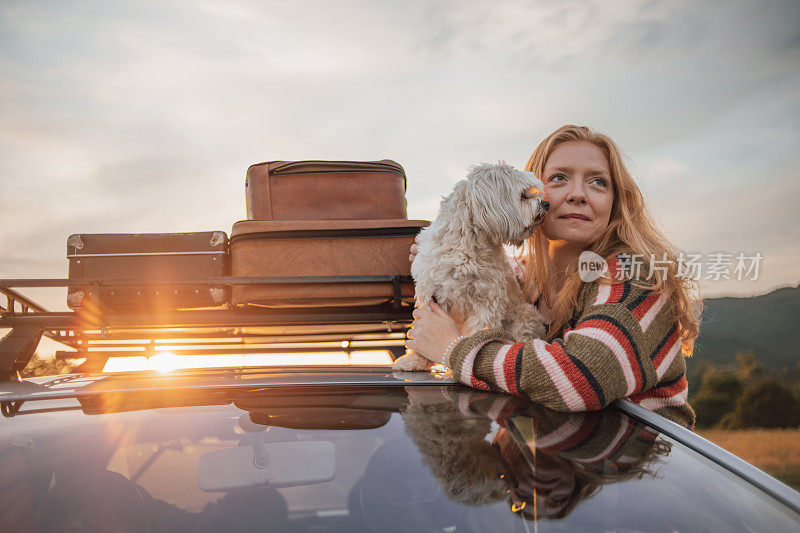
[[631, 230]]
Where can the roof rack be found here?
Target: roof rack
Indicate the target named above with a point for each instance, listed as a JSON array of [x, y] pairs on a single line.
[[96, 336]]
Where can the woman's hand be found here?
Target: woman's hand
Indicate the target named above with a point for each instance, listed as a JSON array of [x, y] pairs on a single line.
[[414, 250], [432, 332]]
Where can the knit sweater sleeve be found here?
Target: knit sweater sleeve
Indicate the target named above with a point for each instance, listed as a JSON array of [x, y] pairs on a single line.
[[625, 344]]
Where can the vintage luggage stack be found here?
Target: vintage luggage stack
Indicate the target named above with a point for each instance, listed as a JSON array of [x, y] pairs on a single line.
[[326, 190], [332, 219], [323, 218], [148, 257]]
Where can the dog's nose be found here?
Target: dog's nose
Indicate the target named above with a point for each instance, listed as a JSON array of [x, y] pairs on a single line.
[[545, 204]]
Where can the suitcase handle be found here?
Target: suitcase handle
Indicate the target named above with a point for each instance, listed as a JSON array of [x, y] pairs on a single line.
[[303, 167]]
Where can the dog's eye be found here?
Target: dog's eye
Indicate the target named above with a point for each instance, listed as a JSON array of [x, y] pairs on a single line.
[[530, 192]]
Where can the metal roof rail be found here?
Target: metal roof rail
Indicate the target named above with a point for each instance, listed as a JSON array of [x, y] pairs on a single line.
[[82, 330], [739, 467]]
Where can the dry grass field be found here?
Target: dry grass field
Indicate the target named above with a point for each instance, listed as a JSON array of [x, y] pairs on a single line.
[[775, 451]]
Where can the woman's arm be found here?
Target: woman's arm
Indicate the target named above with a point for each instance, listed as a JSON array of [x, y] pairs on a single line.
[[626, 342]]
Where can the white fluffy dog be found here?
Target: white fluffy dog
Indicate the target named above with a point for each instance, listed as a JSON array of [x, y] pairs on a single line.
[[461, 262]]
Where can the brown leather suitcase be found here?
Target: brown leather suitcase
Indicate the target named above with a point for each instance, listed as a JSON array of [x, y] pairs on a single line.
[[148, 256], [322, 248], [320, 190]]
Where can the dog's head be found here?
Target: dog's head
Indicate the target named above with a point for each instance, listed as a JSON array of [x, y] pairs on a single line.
[[504, 203]]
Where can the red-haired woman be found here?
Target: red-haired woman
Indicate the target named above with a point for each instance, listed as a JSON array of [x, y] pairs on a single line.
[[623, 335]]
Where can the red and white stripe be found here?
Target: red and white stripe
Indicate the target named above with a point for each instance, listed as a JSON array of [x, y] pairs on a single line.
[[610, 342], [673, 395], [663, 365], [498, 367], [563, 384], [603, 293], [466, 375], [644, 306], [651, 313], [657, 402]]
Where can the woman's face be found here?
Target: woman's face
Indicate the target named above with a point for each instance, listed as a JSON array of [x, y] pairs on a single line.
[[577, 183]]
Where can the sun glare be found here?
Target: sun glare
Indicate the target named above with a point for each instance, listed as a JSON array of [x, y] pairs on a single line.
[[163, 362], [167, 361]]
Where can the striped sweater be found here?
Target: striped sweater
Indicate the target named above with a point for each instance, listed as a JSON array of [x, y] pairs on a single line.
[[623, 342]]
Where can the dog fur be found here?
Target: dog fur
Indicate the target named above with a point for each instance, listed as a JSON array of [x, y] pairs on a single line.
[[466, 466], [461, 262]]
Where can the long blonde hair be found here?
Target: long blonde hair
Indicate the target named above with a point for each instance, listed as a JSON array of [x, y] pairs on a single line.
[[630, 230]]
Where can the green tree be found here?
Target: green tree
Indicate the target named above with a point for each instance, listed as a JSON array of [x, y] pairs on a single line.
[[766, 404], [717, 396], [694, 373], [749, 366]]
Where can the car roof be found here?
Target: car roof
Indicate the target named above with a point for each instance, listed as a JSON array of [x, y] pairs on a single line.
[[379, 426], [142, 391]]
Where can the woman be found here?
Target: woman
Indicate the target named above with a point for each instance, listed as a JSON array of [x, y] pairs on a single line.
[[624, 335]]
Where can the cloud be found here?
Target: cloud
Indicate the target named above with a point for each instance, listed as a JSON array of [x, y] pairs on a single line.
[[145, 116]]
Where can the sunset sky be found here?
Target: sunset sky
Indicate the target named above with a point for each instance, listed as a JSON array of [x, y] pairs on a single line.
[[144, 116]]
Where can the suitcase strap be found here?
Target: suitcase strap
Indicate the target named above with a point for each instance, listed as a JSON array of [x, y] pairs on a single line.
[[144, 254], [327, 234]]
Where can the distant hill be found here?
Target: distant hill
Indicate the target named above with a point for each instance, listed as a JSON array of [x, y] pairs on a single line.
[[769, 325]]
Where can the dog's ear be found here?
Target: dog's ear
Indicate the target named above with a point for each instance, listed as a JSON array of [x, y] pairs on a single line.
[[493, 200], [456, 209]]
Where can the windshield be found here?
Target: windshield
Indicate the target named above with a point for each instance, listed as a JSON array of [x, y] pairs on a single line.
[[419, 458]]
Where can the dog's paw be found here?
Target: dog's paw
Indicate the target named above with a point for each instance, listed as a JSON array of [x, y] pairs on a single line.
[[526, 323], [412, 362], [527, 331]]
